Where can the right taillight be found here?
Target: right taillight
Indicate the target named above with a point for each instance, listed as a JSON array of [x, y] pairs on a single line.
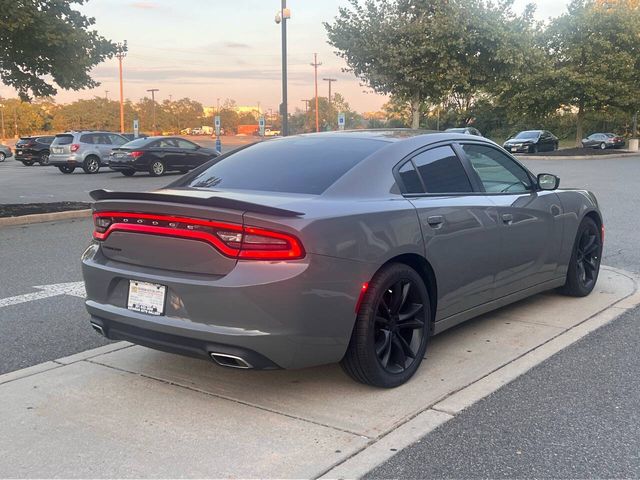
[[74, 147], [136, 154], [236, 241]]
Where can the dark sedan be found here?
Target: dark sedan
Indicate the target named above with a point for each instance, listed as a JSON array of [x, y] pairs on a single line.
[[603, 141], [352, 247], [158, 155], [30, 150], [532, 141]]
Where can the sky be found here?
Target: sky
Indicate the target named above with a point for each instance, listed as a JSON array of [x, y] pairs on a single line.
[[210, 49]]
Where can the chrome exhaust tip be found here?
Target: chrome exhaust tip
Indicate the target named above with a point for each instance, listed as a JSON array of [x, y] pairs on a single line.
[[98, 328], [226, 360]]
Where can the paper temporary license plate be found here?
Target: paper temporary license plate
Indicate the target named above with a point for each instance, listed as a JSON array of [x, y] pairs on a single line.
[[146, 297], [56, 150]]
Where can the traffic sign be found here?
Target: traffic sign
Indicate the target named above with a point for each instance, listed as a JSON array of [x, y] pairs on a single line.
[[341, 120], [261, 124], [136, 128], [217, 124]]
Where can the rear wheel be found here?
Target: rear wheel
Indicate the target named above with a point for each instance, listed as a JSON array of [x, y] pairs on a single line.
[[128, 173], [157, 168], [584, 265], [91, 164], [44, 158], [2, 156], [66, 168], [391, 331], [603, 146], [27, 163]]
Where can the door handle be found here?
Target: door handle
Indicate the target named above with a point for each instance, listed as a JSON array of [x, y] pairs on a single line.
[[507, 218], [435, 221]]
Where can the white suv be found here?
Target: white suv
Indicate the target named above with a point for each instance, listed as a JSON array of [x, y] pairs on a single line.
[[89, 150]]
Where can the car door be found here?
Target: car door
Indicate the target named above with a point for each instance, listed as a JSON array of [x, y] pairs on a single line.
[[530, 219], [189, 153], [103, 144], [459, 227]]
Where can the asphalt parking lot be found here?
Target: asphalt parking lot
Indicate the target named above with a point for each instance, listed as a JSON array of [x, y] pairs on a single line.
[[43, 318]]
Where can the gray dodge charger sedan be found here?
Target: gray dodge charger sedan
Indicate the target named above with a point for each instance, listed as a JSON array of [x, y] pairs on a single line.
[[351, 247]]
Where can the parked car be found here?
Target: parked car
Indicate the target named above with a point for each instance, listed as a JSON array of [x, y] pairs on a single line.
[[158, 155], [271, 133], [5, 152], [132, 136], [532, 141], [603, 141], [467, 130], [89, 150], [30, 150], [197, 131], [351, 247]]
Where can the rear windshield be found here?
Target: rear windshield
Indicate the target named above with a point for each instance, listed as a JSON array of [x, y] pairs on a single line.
[[528, 134], [289, 165], [63, 140]]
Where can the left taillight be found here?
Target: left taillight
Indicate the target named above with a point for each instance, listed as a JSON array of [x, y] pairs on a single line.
[[233, 240], [136, 154]]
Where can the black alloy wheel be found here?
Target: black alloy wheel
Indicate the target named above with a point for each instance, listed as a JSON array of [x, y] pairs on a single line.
[[390, 337], [44, 158], [584, 265]]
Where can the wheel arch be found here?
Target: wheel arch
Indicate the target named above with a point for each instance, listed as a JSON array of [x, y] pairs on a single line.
[[595, 216]]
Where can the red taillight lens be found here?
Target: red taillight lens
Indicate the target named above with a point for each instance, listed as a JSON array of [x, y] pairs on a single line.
[[74, 147], [602, 234], [136, 154], [236, 241]]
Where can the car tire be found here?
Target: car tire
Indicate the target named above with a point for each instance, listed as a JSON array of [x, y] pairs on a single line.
[[584, 266], [128, 173], [44, 158], [66, 168], [603, 146], [91, 164], [385, 350], [2, 156], [27, 163], [157, 168]]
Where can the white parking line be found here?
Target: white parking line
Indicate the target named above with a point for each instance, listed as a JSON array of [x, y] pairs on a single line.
[[75, 289]]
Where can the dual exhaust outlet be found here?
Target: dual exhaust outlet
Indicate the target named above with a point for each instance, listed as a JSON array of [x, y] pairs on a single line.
[[222, 359]]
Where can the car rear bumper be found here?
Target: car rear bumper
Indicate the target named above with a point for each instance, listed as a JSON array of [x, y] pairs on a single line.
[[273, 314], [64, 159], [517, 149]]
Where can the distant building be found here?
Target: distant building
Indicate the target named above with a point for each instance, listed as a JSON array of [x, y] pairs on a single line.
[[211, 111]]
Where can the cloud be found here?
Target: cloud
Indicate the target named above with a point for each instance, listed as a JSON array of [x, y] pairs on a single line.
[[145, 5], [236, 45]]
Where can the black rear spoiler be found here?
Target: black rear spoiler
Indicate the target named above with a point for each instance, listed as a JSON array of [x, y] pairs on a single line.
[[212, 201]]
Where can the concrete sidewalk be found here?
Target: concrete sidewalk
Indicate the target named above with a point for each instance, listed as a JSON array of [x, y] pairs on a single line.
[[127, 411]]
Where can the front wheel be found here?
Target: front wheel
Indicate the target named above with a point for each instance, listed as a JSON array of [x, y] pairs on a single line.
[[584, 265], [91, 164], [603, 146], [66, 168], [44, 158], [391, 330], [157, 168]]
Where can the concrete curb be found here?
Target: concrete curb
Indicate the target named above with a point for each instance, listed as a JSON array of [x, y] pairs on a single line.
[[43, 217], [576, 157]]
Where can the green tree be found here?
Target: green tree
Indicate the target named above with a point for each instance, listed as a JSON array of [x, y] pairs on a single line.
[[42, 39], [425, 51]]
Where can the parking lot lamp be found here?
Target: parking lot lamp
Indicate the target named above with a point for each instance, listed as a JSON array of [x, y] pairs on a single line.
[[121, 52], [2, 116], [281, 17], [153, 106]]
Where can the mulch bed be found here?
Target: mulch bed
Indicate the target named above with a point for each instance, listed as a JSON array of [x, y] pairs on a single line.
[[570, 152], [19, 209]]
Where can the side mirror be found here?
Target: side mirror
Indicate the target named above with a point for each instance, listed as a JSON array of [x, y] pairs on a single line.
[[548, 181]]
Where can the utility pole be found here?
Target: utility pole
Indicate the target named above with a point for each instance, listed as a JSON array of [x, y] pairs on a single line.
[[315, 66], [2, 116], [281, 17], [121, 52], [330, 80], [153, 101]]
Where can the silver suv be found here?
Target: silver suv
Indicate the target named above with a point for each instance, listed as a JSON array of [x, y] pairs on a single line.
[[89, 150]]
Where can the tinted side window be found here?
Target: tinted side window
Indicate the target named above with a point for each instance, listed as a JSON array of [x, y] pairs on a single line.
[[117, 139], [185, 144], [441, 171], [497, 172], [87, 138], [410, 179]]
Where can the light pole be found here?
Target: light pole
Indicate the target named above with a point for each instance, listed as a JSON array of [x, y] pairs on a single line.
[[2, 116], [153, 106], [315, 66], [330, 80], [281, 17], [121, 52]]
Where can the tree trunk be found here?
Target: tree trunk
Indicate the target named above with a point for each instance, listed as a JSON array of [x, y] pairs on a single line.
[[579, 120], [415, 112]]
